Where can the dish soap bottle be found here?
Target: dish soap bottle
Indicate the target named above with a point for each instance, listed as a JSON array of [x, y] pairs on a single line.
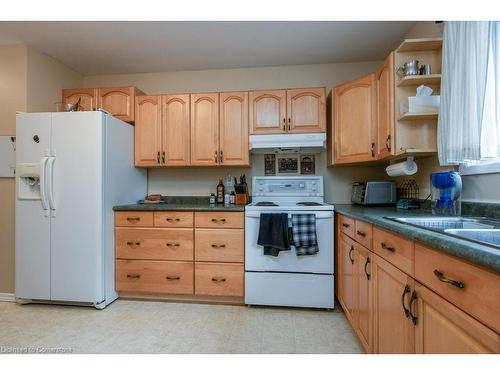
[[220, 192]]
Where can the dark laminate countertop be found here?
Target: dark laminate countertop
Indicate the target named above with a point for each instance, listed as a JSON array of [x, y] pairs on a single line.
[[473, 252], [181, 204]]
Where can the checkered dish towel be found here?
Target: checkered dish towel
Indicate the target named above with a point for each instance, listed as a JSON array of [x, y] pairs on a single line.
[[304, 234]]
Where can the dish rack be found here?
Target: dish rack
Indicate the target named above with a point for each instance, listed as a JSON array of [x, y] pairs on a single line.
[[408, 194]]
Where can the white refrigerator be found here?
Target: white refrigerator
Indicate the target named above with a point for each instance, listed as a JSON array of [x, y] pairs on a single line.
[[72, 168]]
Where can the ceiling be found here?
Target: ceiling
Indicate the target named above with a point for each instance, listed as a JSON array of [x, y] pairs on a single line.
[[93, 48]]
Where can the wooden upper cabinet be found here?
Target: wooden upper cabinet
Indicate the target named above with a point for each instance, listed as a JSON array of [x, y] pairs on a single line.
[[205, 129], [444, 329], [234, 149], [119, 101], [87, 98], [148, 131], [385, 107], [268, 112], [355, 121], [306, 110], [393, 330], [176, 130]]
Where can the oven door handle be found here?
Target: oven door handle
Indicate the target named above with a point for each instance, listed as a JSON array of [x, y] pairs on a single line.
[[319, 216]]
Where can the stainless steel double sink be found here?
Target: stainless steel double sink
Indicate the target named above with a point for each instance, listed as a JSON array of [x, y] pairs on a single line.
[[478, 229]]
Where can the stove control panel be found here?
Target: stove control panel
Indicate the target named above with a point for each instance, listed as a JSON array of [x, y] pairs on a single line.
[[300, 186]]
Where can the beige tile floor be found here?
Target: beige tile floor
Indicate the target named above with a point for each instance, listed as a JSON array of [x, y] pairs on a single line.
[[159, 327]]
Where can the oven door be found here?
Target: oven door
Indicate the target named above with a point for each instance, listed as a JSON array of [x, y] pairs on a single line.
[[288, 261]]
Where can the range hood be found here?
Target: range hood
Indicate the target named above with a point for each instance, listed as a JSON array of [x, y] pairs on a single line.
[[287, 143]]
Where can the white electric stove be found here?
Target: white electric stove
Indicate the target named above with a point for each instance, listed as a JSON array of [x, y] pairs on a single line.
[[288, 279]]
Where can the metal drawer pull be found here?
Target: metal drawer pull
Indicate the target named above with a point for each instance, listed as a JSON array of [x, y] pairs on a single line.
[[345, 225], [170, 219], [215, 246], [133, 219], [218, 279], [388, 248], [133, 243], [405, 292], [173, 244], [218, 220], [413, 297], [350, 252], [361, 233], [368, 276], [133, 276], [444, 279], [173, 278]]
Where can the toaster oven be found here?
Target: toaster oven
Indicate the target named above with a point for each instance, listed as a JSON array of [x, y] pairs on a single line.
[[374, 193]]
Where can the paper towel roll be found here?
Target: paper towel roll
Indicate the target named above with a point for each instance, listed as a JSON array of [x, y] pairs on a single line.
[[405, 168]]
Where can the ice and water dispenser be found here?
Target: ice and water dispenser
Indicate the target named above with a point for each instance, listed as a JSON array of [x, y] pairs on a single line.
[[28, 176]]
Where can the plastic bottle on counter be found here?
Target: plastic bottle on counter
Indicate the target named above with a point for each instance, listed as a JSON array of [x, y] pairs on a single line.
[[212, 199], [232, 198], [220, 192], [227, 199]]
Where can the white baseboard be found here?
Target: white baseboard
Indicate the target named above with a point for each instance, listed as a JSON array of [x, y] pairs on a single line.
[[7, 297]]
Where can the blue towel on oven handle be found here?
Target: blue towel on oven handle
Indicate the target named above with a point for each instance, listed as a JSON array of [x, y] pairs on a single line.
[[304, 234]]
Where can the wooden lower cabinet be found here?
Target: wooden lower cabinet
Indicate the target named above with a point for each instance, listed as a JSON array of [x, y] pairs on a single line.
[[393, 329], [219, 279], [442, 328], [346, 276], [363, 282]]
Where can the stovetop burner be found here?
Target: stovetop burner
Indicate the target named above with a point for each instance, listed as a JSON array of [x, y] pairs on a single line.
[[265, 204], [309, 204]]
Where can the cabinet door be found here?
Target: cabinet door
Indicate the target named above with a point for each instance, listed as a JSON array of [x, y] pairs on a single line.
[[355, 121], [234, 148], [205, 129], [442, 328], [268, 112], [119, 101], [87, 98], [306, 110], [393, 330], [148, 131], [363, 289], [346, 274], [176, 130], [385, 107]]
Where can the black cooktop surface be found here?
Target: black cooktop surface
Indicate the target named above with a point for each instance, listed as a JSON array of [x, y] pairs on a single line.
[[265, 204]]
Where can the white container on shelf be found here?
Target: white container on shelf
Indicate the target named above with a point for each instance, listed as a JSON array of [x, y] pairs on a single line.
[[423, 104]]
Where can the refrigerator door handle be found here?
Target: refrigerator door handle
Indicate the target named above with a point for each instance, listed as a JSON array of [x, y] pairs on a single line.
[[50, 180], [43, 183]]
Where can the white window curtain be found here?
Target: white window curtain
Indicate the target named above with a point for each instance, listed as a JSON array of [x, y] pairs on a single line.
[[469, 128]]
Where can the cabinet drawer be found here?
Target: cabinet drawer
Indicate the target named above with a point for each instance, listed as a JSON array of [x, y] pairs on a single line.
[[218, 279], [219, 245], [397, 250], [154, 244], [347, 225], [219, 219], [173, 219], [154, 276], [364, 233], [480, 291], [133, 219]]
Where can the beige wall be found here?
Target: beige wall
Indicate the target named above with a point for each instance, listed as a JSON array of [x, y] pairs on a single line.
[[202, 181], [29, 81]]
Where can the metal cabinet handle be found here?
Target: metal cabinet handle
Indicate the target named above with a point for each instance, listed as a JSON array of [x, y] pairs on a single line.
[[173, 278], [388, 248], [170, 219], [413, 298], [218, 279], [361, 233], [133, 244], [133, 276], [220, 157], [440, 276], [345, 225], [218, 221], [284, 124], [163, 157], [215, 156], [388, 143], [405, 292], [133, 219], [289, 124], [368, 276], [158, 157], [350, 252], [172, 244], [216, 246], [372, 149]]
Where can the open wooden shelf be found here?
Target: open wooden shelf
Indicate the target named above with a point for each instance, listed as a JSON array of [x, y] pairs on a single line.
[[429, 79], [423, 44], [418, 116]]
